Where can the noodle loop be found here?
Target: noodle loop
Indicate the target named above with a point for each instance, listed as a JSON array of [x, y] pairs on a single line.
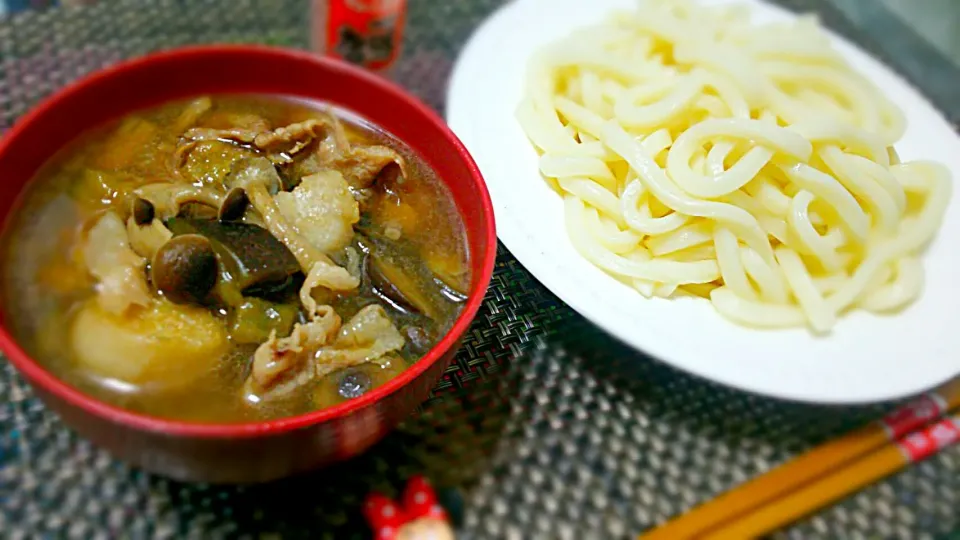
[[698, 153]]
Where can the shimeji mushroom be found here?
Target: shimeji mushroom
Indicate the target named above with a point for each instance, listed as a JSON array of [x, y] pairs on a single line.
[[145, 232], [234, 205], [185, 269], [125, 333], [251, 260], [157, 202], [167, 198]]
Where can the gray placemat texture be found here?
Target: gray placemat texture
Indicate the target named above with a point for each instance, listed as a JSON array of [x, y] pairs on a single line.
[[544, 427]]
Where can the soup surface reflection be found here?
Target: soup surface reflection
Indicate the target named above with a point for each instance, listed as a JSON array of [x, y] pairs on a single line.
[[234, 258]]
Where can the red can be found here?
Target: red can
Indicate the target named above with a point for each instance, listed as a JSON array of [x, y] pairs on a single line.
[[364, 32]]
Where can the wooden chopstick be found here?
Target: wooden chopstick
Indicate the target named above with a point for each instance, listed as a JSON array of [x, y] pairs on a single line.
[[916, 446], [810, 466]]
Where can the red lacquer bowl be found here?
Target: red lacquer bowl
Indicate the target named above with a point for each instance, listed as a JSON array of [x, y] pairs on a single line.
[[262, 451]]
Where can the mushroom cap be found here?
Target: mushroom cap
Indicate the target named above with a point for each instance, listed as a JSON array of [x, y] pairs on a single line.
[[252, 258], [143, 211], [185, 269], [234, 205]]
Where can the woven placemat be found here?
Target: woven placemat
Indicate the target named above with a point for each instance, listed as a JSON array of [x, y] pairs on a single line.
[[544, 427]]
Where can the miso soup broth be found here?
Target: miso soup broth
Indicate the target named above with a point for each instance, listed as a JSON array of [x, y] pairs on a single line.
[[233, 258]]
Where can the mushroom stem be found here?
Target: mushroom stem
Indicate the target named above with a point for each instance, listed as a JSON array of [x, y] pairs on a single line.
[[145, 240], [145, 233]]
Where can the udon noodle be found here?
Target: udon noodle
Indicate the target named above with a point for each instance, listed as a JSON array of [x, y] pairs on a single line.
[[699, 153]]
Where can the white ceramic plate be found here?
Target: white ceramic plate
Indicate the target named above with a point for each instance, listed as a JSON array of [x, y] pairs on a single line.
[[866, 358]]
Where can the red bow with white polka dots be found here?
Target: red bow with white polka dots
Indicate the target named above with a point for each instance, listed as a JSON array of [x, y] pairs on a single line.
[[418, 515]]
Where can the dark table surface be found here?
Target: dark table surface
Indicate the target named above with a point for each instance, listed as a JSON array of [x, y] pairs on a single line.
[[544, 427]]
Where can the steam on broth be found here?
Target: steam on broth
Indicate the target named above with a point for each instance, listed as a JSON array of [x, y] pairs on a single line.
[[233, 258]]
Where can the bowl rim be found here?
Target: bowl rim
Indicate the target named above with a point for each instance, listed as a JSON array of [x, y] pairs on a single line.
[[47, 381]]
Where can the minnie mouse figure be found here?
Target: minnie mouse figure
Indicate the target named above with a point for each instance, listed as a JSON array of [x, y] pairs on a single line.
[[418, 517]]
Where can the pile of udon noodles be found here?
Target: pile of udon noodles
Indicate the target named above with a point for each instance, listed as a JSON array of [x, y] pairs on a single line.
[[698, 152], [314, 218]]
